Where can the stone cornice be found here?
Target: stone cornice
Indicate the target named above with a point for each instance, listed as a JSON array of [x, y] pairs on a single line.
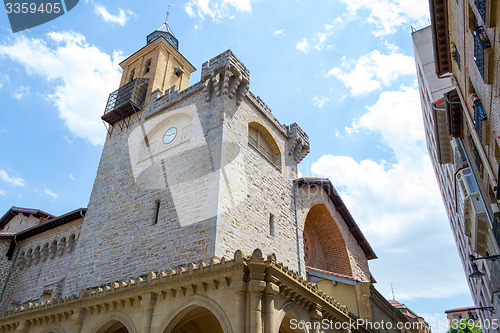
[[185, 281]]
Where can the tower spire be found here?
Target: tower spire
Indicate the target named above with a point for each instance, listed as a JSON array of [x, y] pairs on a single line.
[[165, 31]]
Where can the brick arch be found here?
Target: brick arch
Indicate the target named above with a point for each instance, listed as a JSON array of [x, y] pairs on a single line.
[[324, 245]]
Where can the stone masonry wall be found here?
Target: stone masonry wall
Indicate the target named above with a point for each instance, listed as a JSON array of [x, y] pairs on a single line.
[[42, 265], [21, 222], [155, 206]]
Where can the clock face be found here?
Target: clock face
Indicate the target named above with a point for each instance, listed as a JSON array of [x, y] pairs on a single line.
[[169, 135]]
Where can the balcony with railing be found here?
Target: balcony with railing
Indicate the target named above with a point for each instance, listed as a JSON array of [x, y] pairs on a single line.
[[481, 8], [479, 115], [125, 101], [481, 43]]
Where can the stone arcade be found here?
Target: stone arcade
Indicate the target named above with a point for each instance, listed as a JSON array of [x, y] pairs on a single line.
[[196, 222]]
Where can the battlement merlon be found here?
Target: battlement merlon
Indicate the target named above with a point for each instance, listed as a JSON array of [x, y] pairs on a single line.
[[225, 61], [299, 142]]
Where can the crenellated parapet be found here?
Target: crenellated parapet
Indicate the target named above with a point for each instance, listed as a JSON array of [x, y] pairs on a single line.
[[225, 75], [299, 142]]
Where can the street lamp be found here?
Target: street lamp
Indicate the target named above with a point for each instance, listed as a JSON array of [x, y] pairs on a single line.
[[476, 273]]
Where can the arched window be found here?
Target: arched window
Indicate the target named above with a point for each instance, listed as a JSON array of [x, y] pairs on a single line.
[[147, 68], [262, 141], [132, 73]]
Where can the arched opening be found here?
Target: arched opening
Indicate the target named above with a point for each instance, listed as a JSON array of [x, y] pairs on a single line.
[[324, 246], [261, 140], [286, 326], [117, 328], [197, 320], [113, 326], [291, 323], [132, 74], [147, 68]]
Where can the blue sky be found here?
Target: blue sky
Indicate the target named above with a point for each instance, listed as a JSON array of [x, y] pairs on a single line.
[[342, 69]]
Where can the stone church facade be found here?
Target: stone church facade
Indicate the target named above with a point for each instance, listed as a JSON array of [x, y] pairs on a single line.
[[196, 221]]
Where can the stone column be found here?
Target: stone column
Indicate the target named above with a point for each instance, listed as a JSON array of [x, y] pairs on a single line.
[[240, 296], [256, 286], [77, 321], [23, 327], [315, 316], [148, 303], [269, 312]]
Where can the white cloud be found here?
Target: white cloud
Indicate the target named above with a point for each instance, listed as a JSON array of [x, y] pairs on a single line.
[[12, 180], [71, 176], [320, 39], [372, 71], [279, 33], [303, 46], [50, 193], [388, 15], [216, 10], [320, 101], [120, 19], [4, 78], [437, 321], [20, 92], [398, 204], [3, 192], [82, 74]]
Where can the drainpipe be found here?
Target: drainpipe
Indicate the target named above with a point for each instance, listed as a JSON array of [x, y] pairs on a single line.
[[297, 224], [10, 271]]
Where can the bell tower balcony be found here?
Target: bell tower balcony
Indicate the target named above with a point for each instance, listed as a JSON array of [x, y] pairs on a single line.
[[125, 101]]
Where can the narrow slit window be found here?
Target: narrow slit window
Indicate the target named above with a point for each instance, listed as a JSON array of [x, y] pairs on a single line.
[[148, 67], [271, 224], [157, 211]]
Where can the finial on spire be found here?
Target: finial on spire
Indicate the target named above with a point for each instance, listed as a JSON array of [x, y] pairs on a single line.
[[168, 14], [392, 289]]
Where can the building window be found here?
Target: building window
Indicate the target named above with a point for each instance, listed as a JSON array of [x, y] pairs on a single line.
[[261, 140], [157, 211], [271, 224], [132, 73], [148, 66], [479, 115], [481, 43]]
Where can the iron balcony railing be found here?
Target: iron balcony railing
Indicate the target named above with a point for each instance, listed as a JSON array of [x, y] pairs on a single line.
[[481, 8], [481, 43], [479, 115], [125, 101]]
